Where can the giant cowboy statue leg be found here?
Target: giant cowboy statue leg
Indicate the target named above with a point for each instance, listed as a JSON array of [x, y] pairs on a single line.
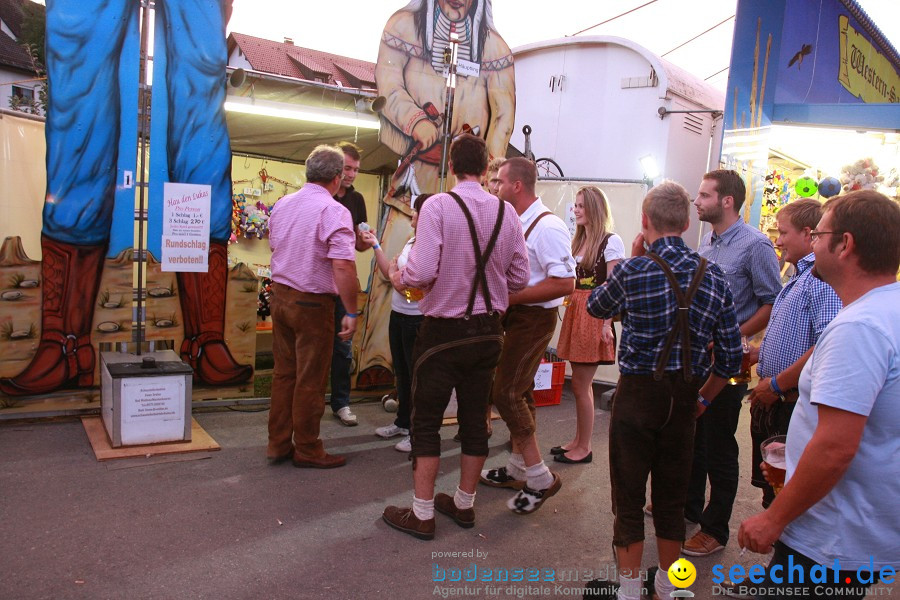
[[82, 129], [199, 152]]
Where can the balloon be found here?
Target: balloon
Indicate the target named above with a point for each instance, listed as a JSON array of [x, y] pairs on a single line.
[[805, 187]]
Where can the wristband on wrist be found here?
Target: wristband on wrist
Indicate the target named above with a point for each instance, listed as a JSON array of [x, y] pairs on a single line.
[[351, 315], [774, 384], [702, 400], [376, 247]]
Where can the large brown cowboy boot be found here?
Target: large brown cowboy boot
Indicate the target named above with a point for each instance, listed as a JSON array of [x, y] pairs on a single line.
[[202, 297], [70, 277]]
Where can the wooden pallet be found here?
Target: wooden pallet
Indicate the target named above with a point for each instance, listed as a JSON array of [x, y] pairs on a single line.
[[103, 450]]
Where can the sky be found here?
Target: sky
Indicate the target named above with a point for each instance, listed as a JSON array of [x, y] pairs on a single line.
[[354, 27]]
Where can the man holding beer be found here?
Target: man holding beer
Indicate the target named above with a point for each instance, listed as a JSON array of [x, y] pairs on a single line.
[[838, 506], [801, 311]]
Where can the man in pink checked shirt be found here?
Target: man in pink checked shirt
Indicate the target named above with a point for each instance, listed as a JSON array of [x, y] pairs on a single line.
[[469, 255], [313, 261]]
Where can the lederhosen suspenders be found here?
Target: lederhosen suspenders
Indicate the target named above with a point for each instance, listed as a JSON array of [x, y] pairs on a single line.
[[535, 222], [480, 258], [682, 320]]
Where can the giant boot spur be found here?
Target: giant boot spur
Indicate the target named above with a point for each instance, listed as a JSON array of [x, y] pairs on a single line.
[[70, 277], [202, 297]]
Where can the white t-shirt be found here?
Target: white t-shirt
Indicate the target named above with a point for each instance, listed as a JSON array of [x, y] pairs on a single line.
[[855, 367], [399, 303], [549, 249]]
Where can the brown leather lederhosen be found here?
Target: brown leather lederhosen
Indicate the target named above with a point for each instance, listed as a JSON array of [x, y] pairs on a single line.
[[458, 354]]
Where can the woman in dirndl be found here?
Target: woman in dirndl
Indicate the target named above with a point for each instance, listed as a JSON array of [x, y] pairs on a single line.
[[584, 341]]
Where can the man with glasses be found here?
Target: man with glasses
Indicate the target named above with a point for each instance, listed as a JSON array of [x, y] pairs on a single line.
[[838, 509], [750, 265]]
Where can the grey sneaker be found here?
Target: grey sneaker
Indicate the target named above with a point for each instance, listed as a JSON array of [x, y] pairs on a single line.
[[389, 431], [404, 445], [346, 417]]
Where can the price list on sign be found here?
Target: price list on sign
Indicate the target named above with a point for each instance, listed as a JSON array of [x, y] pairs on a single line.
[[185, 238]]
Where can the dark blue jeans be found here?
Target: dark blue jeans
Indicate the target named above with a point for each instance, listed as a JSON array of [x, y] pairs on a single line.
[[716, 458], [341, 357], [402, 332]]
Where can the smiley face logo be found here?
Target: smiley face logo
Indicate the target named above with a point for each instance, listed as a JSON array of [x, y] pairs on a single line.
[[682, 573]]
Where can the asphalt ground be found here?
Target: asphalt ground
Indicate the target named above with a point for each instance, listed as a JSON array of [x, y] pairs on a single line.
[[224, 524]]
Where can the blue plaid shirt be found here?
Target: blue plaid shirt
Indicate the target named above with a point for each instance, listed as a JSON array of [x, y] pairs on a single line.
[[639, 287], [801, 311], [750, 264]]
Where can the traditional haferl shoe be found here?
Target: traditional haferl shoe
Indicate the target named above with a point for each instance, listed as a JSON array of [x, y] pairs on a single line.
[[601, 589], [528, 500], [701, 544], [464, 517], [405, 520], [323, 462], [501, 479]]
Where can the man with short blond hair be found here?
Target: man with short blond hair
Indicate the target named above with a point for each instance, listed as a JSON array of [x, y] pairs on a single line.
[[308, 276], [675, 305], [529, 325], [802, 310], [836, 515]]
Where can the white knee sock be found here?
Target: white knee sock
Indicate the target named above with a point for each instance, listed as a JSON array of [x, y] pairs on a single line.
[[661, 583], [423, 509], [463, 500], [629, 589], [515, 466], [539, 476]]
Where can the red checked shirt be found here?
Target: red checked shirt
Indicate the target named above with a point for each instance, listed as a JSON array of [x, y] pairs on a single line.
[[307, 229], [442, 261]]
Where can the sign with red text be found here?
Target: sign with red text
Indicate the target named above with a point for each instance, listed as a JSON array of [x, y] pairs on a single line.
[[185, 238]]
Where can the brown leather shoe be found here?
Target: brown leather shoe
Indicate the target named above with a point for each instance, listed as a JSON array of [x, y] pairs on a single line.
[[323, 462], [277, 460], [403, 519], [464, 517], [701, 544]]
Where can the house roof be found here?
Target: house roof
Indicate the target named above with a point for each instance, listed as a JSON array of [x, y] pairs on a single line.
[[12, 55], [284, 58]]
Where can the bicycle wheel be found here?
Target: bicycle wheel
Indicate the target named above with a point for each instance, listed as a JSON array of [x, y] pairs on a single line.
[[547, 167]]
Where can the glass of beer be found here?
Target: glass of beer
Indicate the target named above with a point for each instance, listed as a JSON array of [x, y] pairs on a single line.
[[413, 294], [744, 376], [776, 465]]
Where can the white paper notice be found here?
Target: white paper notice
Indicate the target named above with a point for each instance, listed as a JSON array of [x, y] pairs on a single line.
[[543, 379], [147, 399], [468, 68], [570, 217], [185, 239]]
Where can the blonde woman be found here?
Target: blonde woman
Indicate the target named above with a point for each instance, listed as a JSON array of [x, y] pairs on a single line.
[[583, 340]]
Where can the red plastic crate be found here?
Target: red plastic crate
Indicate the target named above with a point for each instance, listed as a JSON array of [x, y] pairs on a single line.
[[552, 396]]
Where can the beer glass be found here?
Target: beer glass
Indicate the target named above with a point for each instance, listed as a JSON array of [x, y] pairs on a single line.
[[776, 465]]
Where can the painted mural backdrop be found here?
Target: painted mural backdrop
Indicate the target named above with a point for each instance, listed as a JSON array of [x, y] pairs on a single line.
[[411, 77], [801, 61], [85, 279]]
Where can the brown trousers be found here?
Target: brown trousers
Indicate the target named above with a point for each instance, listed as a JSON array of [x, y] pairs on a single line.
[[302, 334], [528, 331]]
